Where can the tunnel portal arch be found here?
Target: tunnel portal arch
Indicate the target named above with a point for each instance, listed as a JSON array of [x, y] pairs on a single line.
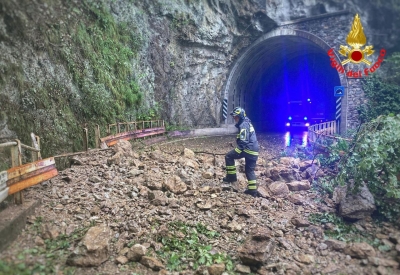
[[266, 52]]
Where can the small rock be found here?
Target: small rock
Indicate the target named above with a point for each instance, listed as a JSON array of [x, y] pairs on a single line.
[[216, 269], [136, 252], [208, 175], [204, 206], [322, 246], [152, 263], [243, 269], [383, 262], [234, 227], [298, 222], [39, 241], [121, 260], [304, 258]]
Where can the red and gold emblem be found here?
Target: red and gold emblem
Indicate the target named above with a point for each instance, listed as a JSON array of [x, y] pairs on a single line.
[[356, 39]]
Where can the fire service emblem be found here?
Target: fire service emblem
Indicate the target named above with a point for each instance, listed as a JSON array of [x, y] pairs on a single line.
[[356, 39], [356, 54]]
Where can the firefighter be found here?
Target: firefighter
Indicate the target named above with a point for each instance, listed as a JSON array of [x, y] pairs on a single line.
[[247, 148]]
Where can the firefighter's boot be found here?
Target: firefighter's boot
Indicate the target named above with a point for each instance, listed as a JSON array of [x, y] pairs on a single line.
[[230, 178]]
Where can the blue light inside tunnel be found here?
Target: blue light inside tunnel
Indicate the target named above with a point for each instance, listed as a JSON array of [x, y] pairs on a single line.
[[296, 138], [298, 72], [287, 139], [305, 138]]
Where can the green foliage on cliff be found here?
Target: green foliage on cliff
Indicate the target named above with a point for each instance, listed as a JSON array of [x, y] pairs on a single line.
[[383, 98], [83, 39], [382, 92], [106, 82]]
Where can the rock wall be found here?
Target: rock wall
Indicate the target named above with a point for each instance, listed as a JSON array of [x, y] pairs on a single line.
[[190, 46]]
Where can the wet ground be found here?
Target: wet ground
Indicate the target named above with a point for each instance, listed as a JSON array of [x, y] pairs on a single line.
[[272, 144]]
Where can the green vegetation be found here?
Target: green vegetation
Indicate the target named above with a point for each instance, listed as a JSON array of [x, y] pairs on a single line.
[[97, 52], [340, 230], [383, 99], [179, 252], [46, 256], [374, 158]]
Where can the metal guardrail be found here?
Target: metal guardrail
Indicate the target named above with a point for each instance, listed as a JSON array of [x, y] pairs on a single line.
[[131, 130], [323, 131], [19, 177]]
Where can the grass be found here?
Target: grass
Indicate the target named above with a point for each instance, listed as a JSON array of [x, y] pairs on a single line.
[[47, 258], [191, 251]]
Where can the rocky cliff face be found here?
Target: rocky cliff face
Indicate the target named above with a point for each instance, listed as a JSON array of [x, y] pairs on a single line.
[[66, 64]]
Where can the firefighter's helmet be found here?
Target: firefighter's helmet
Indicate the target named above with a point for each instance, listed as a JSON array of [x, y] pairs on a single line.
[[238, 111]]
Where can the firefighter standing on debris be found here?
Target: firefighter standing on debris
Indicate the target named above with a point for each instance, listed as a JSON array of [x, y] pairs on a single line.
[[247, 148]]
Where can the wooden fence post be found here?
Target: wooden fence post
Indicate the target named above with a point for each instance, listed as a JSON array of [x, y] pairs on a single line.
[[97, 135], [17, 161], [35, 155], [85, 139]]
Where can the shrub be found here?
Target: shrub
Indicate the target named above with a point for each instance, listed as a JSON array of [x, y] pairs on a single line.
[[374, 158]]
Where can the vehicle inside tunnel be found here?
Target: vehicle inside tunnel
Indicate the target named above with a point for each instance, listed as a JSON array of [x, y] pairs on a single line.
[[287, 85]]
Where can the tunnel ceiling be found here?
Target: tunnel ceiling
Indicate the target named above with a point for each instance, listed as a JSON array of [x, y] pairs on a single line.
[[269, 55]]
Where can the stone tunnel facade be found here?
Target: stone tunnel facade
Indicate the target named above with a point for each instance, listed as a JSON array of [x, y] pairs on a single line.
[[320, 33]]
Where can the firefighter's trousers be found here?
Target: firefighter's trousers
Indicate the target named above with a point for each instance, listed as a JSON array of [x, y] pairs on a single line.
[[250, 165]]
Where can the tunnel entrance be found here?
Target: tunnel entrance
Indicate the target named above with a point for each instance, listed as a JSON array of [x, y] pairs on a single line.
[[285, 81]]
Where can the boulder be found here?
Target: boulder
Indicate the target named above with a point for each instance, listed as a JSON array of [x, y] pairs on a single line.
[[299, 222], [243, 269], [296, 199], [136, 252], [216, 269], [152, 263], [254, 252], [282, 173], [299, 185], [175, 185], [157, 197], [360, 250], [336, 245], [93, 250], [290, 162], [157, 155], [357, 206], [187, 153], [263, 192], [279, 189]]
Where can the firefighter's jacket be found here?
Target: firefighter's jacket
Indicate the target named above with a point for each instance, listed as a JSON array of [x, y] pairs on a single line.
[[246, 139]]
